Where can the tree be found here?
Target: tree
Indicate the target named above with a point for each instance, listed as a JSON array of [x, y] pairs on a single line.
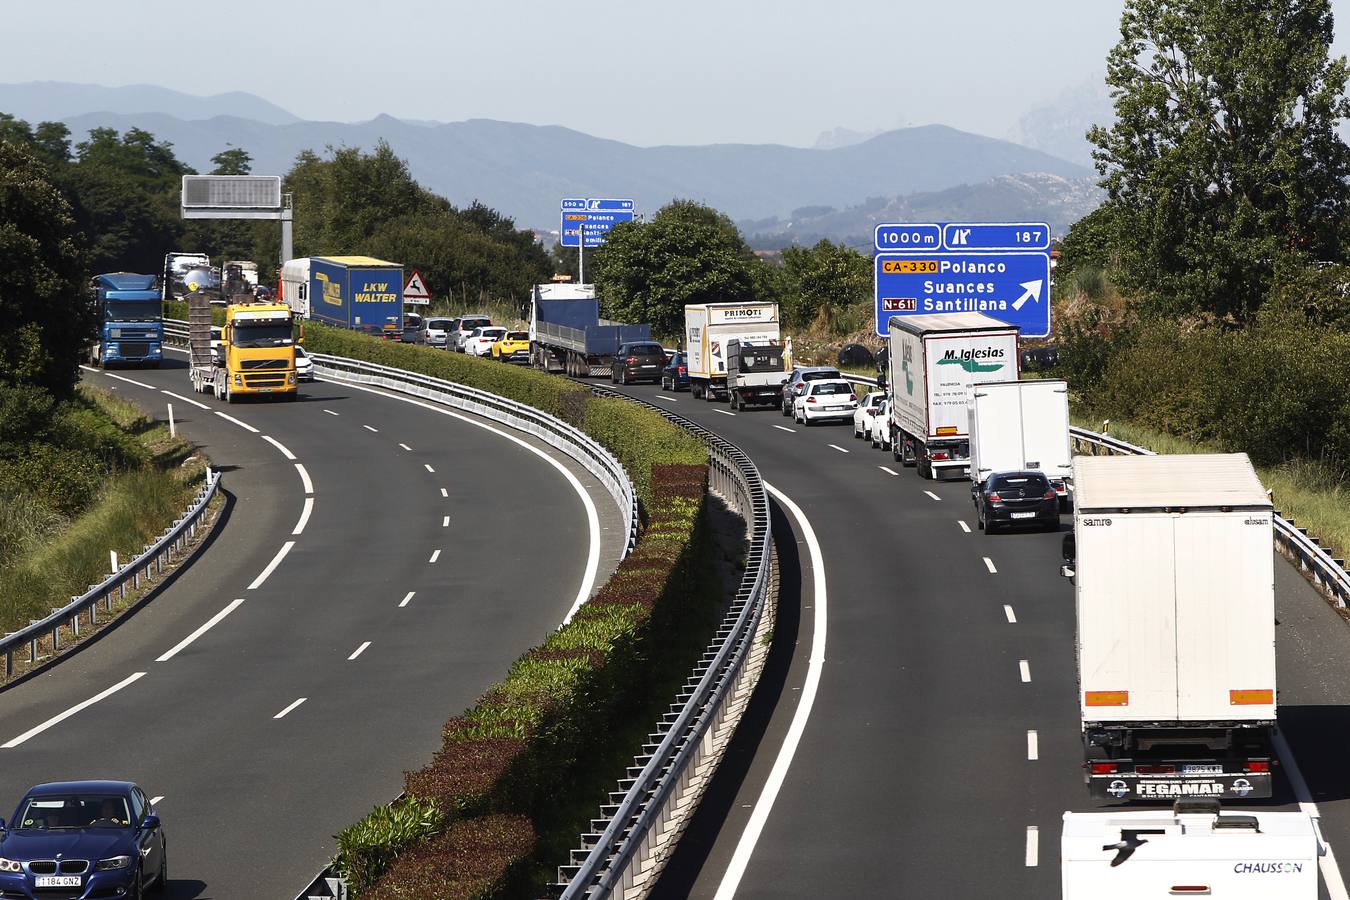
[[234, 161], [824, 278], [1225, 156], [46, 318]]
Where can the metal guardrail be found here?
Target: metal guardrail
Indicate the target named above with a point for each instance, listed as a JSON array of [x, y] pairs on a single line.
[[630, 842], [151, 561]]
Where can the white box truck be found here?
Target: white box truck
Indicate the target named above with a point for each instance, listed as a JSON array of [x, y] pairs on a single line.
[[933, 362], [1021, 425], [1173, 568], [1194, 852], [709, 327]]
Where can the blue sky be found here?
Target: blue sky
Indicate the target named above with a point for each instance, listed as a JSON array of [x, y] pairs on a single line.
[[697, 71]]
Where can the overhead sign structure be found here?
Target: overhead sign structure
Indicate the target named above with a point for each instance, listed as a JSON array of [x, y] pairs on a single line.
[[415, 291], [592, 218], [1001, 269]]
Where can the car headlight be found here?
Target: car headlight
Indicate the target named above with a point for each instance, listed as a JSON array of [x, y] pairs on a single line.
[[112, 862], [10, 865], [238, 378], [290, 378]]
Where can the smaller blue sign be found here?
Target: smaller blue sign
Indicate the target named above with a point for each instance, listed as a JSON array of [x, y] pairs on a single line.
[[596, 217], [890, 238], [994, 236]]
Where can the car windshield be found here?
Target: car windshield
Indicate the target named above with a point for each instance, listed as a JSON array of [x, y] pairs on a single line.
[[831, 388], [761, 360], [646, 350], [300, 352], [517, 335], [817, 376], [1029, 482], [495, 333], [68, 811], [438, 324], [262, 334], [131, 310], [471, 324]]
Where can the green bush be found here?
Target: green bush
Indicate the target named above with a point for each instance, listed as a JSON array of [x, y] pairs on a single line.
[[368, 848], [475, 858]]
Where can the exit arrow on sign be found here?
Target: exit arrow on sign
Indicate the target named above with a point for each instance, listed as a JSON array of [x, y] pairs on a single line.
[[1032, 291]]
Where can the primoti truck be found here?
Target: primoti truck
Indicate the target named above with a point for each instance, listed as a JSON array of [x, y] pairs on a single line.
[[346, 291], [256, 354], [131, 326], [710, 327], [1193, 851], [1173, 570], [1021, 425], [754, 373], [933, 362], [568, 335]]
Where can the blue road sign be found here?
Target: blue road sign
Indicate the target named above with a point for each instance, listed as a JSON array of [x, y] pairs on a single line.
[[596, 216], [999, 269]]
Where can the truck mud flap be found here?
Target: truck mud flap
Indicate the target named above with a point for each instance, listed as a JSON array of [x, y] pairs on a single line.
[[1166, 789]]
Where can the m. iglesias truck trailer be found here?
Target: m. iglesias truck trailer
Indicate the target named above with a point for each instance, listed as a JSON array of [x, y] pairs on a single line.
[[708, 330], [131, 321], [1173, 571], [346, 291], [933, 363]]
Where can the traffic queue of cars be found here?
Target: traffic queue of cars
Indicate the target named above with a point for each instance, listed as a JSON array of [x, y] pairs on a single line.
[[474, 335]]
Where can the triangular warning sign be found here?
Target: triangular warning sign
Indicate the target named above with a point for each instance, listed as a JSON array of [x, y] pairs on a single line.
[[416, 288]]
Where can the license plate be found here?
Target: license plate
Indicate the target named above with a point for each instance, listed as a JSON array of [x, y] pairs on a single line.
[[1201, 770], [834, 408], [58, 881], [1028, 515]]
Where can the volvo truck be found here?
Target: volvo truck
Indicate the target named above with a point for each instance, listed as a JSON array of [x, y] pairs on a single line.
[[708, 330], [255, 353], [131, 326]]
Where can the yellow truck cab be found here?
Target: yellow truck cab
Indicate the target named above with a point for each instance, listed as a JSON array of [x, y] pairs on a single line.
[[256, 353]]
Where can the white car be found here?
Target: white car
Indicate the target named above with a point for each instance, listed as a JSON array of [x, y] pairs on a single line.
[[304, 366], [866, 411], [879, 426], [480, 342], [827, 400], [217, 345]]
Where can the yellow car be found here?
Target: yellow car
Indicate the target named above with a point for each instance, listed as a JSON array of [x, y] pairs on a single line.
[[514, 348]]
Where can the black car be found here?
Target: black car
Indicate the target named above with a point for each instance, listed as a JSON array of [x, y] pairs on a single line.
[[638, 361], [675, 375], [1011, 499]]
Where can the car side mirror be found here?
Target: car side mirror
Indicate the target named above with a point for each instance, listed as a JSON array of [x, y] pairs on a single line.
[[2, 824], [150, 822]]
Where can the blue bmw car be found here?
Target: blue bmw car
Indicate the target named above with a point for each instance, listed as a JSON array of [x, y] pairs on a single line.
[[79, 840]]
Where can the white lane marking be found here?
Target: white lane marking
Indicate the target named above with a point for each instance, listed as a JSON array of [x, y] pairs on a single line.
[[201, 630], [280, 446], [61, 717], [934, 496], [331, 413], [405, 447], [667, 399], [989, 564], [368, 428], [888, 471], [837, 447], [184, 399], [724, 412], [445, 522], [131, 381], [1033, 845], [785, 428], [408, 599], [88, 368], [435, 555], [155, 801], [304, 478], [1326, 861], [429, 468], [745, 848], [1024, 668], [358, 651], [964, 526], [291, 707], [1008, 611], [592, 517], [244, 425], [1033, 744], [304, 516], [271, 567]]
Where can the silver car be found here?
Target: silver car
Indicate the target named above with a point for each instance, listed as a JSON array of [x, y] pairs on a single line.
[[436, 332]]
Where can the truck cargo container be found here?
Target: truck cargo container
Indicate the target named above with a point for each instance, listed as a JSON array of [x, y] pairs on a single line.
[[1195, 851], [346, 291], [1173, 566], [755, 373], [568, 335], [933, 363], [710, 327], [131, 321], [1020, 426]]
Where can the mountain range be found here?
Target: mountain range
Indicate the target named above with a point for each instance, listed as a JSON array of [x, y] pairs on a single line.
[[524, 170]]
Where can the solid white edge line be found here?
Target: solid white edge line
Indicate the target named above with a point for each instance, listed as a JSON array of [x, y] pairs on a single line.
[[667, 399], [291, 707], [155, 801], [304, 478], [405, 447], [934, 496], [131, 381], [88, 368], [201, 630], [61, 717], [1033, 745], [1024, 669], [724, 412], [331, 413], [244, 425], [406, 600], [358, 651], [837, 447], [888, 471], [370, 428], [184, 399], [1033, 845], [435, 555], [271, 567], [1008, 611], [304, 517], [745, 848], [592, 517], [1326, 861], [989, 564], [964, 526], [429, 468], [785, 428], [280, 446]]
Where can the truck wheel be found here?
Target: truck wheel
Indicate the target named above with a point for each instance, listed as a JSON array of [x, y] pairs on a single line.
[[925, 467], [710, 394], [731, 400]]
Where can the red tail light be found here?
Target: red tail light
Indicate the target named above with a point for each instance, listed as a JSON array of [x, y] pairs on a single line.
[[682, 370], [810, 399], [631, 359], [1105, 768], [1050, 495], [1258, 766], [939, 456], [995, 498]]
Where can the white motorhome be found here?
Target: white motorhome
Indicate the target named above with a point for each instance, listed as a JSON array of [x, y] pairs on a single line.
[[710, 327], [1021, 425], [1173, 570]]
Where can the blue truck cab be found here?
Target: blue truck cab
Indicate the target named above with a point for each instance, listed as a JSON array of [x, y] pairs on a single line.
[[131, 329]]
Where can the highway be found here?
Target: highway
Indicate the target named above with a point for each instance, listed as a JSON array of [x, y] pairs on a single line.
[[933, 745], [378, 565]]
